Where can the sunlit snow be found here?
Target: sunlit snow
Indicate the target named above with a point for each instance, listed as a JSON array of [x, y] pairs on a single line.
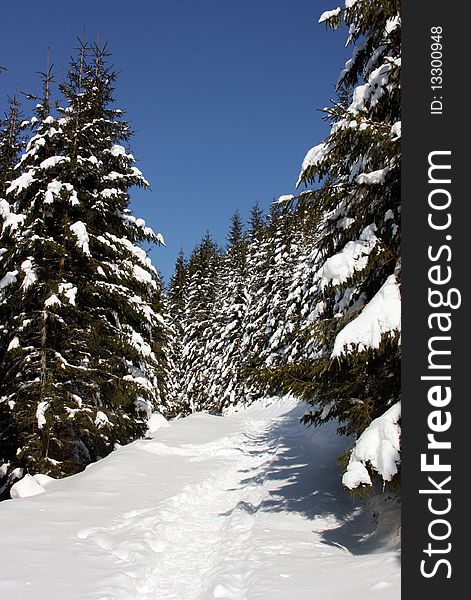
[[247, 506]]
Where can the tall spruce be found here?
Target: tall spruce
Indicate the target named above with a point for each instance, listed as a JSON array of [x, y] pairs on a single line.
[[11, 140], [271, 257], [254, 338], [356, 268], [176, 298], [227, 383], [81, 334], [198, 319]]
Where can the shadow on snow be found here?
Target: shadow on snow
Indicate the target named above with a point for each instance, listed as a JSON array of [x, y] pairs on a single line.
[[303, 461]]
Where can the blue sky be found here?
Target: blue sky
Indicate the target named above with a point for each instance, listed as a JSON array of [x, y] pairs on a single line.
[[222, 96]]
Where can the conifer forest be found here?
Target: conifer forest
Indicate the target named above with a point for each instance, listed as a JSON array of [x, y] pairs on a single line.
[[300, 302]]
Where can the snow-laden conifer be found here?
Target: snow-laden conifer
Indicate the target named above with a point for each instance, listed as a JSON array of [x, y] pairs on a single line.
[[176, 299], [353, 374], [11, 140], [198, 320], [227, 382], [82, 334]]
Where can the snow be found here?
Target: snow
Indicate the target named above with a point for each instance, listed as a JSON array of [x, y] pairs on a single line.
[[380, 316], [4, 208], [26, 488], [396, 131], [15, 343], [373, 89], [113, 175], [142, 275], [10, 219], [328, 14], [378, 445], [137, 173], [30, 274], [109, 192], [392, 24], [21, 182], [52, 161], [360, 96], [315, 156], [372, 178], [118, 150], [339, 267], [101, 419], [80, 231], [284, 198], [40, 413], [8, 279], [51, 301], [69, 291], [141, 224], [248, 506], [156, 421], [138, 252], [138, 343], [53, 189]]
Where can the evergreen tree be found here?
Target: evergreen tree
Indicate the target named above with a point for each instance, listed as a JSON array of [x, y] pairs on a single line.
[[10, 142], [254, 338], [302, 297], [203, 272], [283, 237], [227, 386], [11, 129], [81, 338], [355, 377], [176, 297], [272, 256]]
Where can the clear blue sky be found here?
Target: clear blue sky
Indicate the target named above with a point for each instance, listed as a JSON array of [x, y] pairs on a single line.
[[222, 95]]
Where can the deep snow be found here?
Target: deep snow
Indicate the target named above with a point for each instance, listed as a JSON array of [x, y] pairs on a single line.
[[243, 507]]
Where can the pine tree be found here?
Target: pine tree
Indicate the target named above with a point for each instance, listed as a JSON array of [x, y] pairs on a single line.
[[302, 296], [272, 255], [10, 143], [283, 234], [11, 128], [176, 298], [227, 386], [198, 318], [82, 337], [355, 376], [254, 337]]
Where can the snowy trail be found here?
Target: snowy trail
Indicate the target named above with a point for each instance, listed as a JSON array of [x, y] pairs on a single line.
[[245, 507]]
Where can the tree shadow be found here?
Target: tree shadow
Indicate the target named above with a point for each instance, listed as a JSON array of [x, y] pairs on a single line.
[[301, 474]]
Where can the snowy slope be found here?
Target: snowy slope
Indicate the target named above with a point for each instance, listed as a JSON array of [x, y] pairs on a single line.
[[243, 507]]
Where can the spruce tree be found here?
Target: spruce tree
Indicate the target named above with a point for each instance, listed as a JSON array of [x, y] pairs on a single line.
[[254, 338], [11, 139], [198, 318], [227, 385], [272, 255], [354, 375], [82, 336], [176, 298]]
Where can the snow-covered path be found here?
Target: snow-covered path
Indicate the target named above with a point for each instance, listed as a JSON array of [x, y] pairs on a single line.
[[243, 507]]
